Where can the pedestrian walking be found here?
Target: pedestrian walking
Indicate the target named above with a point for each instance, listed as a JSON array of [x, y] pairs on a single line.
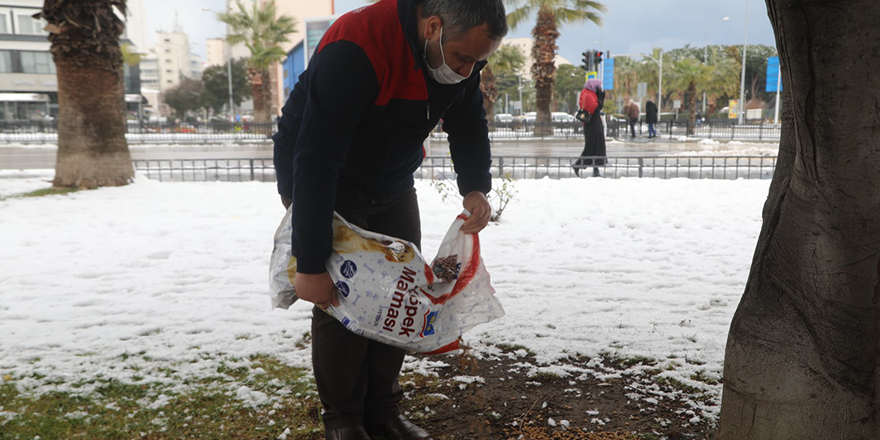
[[631, 109], [591, 100], [349, 140], [651, 117]]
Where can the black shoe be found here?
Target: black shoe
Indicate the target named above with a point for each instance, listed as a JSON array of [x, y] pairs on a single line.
[[347, 433], [399, 428]]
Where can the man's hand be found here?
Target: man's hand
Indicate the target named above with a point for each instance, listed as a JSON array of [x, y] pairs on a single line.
[[316, 288], [480, 209]]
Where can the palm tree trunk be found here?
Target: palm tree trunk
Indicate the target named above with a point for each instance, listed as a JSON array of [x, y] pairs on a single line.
[[490, 93], [92, 150], [692, 107], [259, 89], [544, 70]]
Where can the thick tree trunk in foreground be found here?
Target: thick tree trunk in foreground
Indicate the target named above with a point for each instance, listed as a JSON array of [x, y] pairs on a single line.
[[92, 150], [802, 357]]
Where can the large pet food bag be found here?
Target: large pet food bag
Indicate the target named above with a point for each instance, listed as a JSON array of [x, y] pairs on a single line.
[[388, 292]]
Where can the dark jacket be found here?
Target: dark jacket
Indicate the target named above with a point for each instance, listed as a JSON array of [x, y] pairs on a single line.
[[351, 132], [651, 112]]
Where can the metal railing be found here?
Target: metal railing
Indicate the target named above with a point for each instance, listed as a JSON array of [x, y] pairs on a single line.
[[516, 167], [214, 132]]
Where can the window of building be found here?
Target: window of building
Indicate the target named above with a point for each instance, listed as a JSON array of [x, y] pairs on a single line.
[[5, 61], [3, 28], [28, 25], [37, 62]]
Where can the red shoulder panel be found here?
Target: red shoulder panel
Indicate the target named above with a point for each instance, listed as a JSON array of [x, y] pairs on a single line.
[[377, 30]]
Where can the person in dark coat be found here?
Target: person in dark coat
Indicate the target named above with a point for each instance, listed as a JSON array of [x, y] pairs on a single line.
[[592, 99], [349, 140], [651, 118]]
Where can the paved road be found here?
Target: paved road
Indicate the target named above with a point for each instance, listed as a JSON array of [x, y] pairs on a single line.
[[43, 157]]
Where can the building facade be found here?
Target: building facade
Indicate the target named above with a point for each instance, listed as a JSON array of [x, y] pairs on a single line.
[[28, 83], [28, 87]]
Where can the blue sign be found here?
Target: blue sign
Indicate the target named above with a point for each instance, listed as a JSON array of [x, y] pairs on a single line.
[[608, 74], [773, 78]]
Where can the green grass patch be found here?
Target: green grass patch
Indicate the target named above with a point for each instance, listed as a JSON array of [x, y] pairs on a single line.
[[510, 348], [52, 191], [193, 407], [624, 363]]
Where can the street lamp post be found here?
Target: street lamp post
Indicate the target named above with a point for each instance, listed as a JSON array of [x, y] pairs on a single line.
[[659, 74], [659, 80], [706, 59], [228, 55], [742, 81]]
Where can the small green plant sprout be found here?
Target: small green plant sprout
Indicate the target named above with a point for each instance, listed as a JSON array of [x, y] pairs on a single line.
[[502, 193]]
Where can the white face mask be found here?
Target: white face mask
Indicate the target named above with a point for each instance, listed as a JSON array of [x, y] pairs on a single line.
[[443, 74]]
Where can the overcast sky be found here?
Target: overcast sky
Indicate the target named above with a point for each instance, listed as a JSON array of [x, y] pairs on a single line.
[[630, 26]]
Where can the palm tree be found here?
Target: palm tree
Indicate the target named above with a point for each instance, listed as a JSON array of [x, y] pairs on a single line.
[[92, 150], [261, 32], [684, 76], [551, 14], [505, 60], [719, 83]]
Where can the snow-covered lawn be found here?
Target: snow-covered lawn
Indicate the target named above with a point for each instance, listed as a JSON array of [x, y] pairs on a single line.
[[155, 274]]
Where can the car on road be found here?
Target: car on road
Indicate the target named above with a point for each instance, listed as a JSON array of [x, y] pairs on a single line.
[[504, 120]]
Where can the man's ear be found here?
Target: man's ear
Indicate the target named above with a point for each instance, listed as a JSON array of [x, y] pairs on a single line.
[[432, 27]]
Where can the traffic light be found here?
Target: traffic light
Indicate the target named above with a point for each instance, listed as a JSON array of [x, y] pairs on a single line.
[[587, 60], [597, 58]]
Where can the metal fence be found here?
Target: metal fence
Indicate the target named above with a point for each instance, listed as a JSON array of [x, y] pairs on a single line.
[[516, 167], [220, 132]]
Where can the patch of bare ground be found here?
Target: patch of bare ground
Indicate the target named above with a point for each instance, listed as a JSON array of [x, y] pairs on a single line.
[[502, 398]]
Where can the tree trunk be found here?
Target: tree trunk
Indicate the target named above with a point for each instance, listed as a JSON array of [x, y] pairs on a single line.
[[692, 107], [262, 96], [544, 69], [92, 150], [490, 93], [802, 358]]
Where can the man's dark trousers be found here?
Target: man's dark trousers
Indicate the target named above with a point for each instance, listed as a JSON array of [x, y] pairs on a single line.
[[357, 377]]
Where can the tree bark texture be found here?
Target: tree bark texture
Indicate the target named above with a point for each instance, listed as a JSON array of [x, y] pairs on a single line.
[[262, 95], [92, 150], [490, 93], [692, 107], [803, 353], [544, 69]]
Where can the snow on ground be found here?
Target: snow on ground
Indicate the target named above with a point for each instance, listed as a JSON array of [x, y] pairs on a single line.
[[119, 282]]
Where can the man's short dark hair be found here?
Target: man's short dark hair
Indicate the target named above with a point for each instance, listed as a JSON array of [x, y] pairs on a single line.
[[460, 16]]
